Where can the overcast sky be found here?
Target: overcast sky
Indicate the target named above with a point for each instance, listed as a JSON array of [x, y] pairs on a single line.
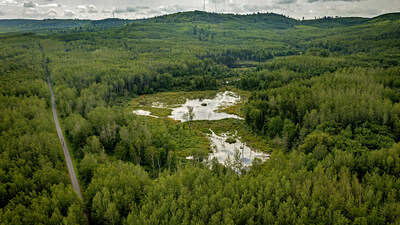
[[133, 9]]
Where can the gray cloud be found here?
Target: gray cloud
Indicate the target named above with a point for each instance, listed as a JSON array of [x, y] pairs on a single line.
[[153, 12], [252, 8], [39, 13], [288, 1], [52, 12], [218, 1], [69, 13], [87, 9], [130, 9], [255, 8], [311, 1], [126, 10], [30, 4], [171, 9], [2, 13], [99, 9]]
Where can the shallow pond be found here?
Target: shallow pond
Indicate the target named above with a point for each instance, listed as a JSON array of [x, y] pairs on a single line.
[[141, 112], [205, 109], [223, 150]]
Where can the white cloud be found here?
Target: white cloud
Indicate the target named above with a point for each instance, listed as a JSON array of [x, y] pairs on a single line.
[[51, 5], [87, 9], [69, 13], [9, 2], [35, 13], [256, 8], [30, 4], [137, 9], [171, 9], [52, 12], [100, 9]]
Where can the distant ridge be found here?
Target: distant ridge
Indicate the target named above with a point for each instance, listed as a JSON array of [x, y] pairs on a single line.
[[388, 16], [266, 20]]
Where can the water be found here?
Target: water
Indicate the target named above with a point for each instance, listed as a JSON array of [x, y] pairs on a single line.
[[207, 111], [141, 112], [223, 150]]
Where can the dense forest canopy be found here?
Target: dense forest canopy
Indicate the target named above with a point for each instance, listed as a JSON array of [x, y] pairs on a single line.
[[324, 101]]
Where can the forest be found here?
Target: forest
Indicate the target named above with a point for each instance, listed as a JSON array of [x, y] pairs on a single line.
[[321, 98]]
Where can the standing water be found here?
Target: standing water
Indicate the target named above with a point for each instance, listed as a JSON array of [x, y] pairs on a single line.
[[205, 109], [224, 150]]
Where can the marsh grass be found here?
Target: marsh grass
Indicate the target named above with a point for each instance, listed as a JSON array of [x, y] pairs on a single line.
[[171, 99], [166, 100], [195, 137], [232, 126]]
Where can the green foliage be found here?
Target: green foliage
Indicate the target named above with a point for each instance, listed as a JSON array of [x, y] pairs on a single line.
[[284, 191], [331, 102], [324, 92], [34, 185], [115, 189], [230, 140]]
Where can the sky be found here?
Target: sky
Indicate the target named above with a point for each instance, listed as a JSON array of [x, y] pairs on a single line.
[[135, 9]]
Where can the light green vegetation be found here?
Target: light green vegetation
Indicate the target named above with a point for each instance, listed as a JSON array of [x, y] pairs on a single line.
[[160, 104], [234, 126], [237, 109], [171, 99]]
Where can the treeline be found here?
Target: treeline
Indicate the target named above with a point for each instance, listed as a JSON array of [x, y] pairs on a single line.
[[346, 99], [153, 145], [285, 190], [34, 184], [330, 108], [121, 75]]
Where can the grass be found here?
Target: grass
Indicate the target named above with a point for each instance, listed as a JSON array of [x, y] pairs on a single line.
[[237, 109], [171, 99], [195, 137], [247, 136]]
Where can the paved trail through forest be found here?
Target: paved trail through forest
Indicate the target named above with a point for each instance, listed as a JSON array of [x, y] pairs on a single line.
[[71, 169]]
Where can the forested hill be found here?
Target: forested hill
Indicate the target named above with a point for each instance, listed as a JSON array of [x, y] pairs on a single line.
[[266, 20], [58, 25], [274, 20], [322, 97]]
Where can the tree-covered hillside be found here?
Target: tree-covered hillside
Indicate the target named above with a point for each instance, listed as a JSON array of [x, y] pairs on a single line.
[[322, 97]]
